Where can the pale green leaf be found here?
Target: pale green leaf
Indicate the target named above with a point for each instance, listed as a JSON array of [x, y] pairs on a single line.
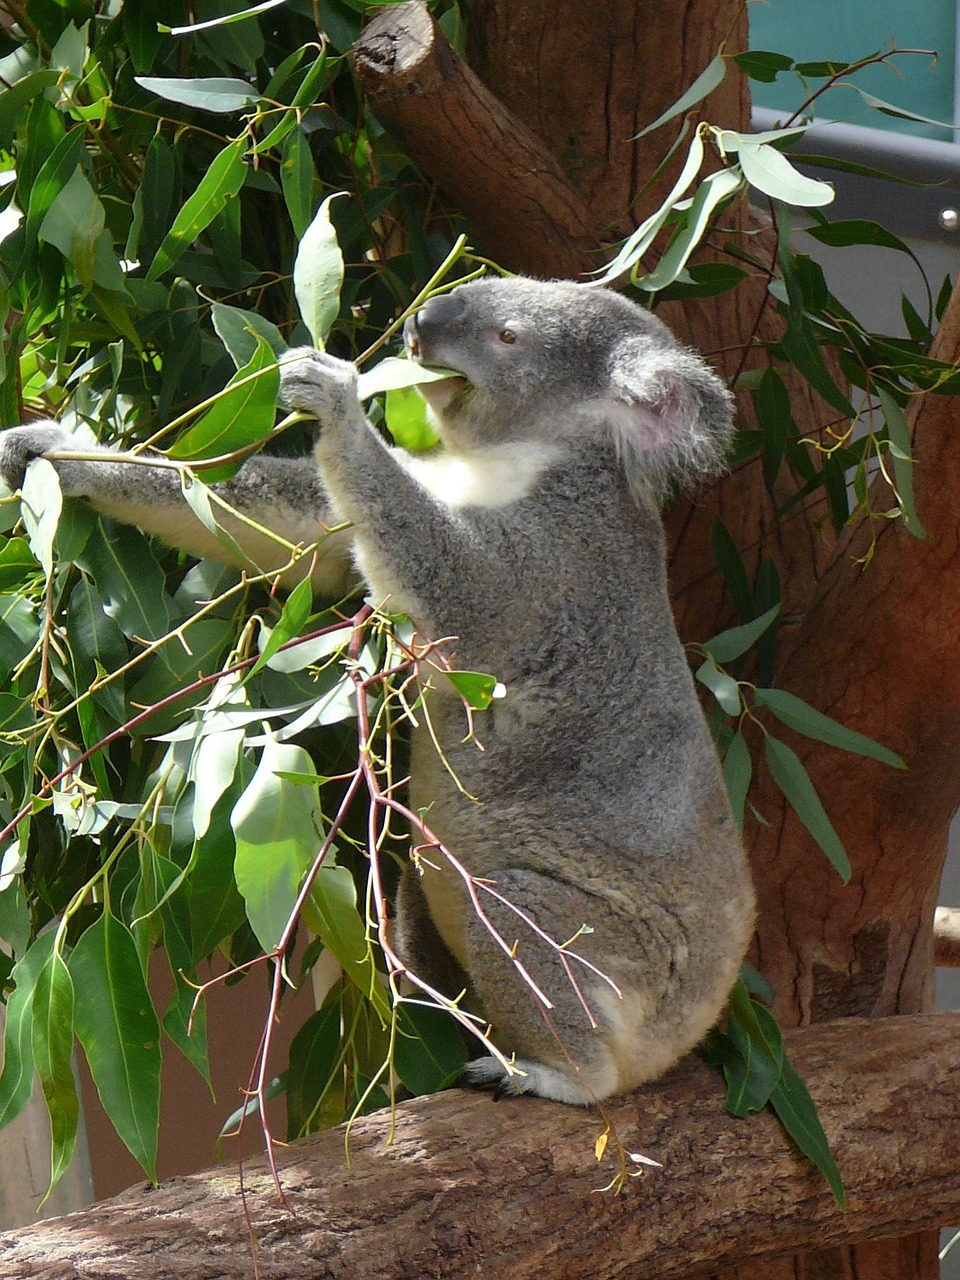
[[708, 80], [732, 643], [278, 830], [42, 503], [214, 93], [395, 373], [318, 274]]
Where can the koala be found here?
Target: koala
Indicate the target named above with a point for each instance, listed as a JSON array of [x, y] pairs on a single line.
[[595, 809]]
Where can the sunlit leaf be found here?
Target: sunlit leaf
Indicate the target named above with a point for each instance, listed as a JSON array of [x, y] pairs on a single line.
[[318, 274], [214, 93], [52, 1027], [278, 830]]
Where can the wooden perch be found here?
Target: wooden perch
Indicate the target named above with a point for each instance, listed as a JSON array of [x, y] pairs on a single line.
[[490, 165], [471, 1187]]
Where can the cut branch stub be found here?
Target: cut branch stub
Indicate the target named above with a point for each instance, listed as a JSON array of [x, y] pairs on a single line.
[[526, 213]]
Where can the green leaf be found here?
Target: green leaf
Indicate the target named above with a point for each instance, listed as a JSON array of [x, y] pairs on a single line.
[[734, 571], [795, 1108], [292, 620], [318, 274], [759, 1042], [734, 642], [129, 579], [429, 1052], [797, 714], [314, 1055], [118, 1029], [243, 414], [74, 223], [408, 421], [278, 830], [793, 780], [395, 372], [16, 1078], [850, 231], [708, 79], [17, 562], [220, 184], [333, 915], [898, 432], [297, 176], [704, 280], [52, 1053], [760, 65], [723, 687], [215, 93], [737, 772], [239, 330], [225, 20], [474, 687]]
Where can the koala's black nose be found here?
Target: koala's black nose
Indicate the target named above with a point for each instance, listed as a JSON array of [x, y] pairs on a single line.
[[433, 318]]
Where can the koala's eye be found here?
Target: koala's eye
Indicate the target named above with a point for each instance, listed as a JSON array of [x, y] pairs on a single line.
[[508, 336]]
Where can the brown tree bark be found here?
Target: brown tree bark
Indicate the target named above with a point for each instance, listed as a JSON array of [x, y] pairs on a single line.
[[874, 647], [471, 1188]]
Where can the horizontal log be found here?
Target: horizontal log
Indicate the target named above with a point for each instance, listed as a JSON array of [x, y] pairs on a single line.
[[469, 1187], [946, 937], [492, 167]]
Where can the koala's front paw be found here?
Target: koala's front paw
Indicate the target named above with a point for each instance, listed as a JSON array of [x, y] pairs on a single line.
[[20, 445], [319, 384]]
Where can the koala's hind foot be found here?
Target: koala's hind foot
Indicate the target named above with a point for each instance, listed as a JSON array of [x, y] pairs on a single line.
[[562, 1085]]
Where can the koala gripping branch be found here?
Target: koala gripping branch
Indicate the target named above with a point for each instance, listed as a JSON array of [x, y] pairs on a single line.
[[468, 1187]]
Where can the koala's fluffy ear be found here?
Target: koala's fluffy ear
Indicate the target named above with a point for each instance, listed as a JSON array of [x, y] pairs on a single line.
[[672, 415]]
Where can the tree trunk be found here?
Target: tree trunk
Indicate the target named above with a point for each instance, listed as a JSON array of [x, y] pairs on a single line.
[[872, 647], [472, 1188]]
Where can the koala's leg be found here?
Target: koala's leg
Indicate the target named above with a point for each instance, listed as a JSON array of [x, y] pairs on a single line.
[[284, 495], [418, 941], [560, 1055], [394, 517]]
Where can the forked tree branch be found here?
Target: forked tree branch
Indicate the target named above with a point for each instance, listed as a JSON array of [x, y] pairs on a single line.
[[470, 1187]]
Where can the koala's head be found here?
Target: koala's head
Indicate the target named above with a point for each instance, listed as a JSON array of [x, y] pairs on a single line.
[[555, 360]]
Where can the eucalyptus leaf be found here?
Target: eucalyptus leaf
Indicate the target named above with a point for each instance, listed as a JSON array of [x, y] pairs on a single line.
[[219, 185], [735, 641], [793, 780], [799, 715], [278, 828], [219, 94], [118, 1029], [318, 274]]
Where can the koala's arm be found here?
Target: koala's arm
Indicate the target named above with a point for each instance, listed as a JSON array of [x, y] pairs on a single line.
[[404, 536], [283, 495]]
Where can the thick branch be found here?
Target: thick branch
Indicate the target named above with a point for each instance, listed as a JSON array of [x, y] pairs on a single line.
[[472, 1188], [489, 164]]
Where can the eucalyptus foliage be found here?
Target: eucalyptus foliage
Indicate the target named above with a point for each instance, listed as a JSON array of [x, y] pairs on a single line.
[[178, 744]]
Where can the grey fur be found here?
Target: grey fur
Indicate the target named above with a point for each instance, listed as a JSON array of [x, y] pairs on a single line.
[[599, 801]]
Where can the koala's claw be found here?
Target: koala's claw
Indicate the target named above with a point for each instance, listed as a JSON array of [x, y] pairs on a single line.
[[20, 445], [318, 384]]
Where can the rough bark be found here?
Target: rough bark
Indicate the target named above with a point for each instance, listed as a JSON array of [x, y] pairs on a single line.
[[471, 1188]]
